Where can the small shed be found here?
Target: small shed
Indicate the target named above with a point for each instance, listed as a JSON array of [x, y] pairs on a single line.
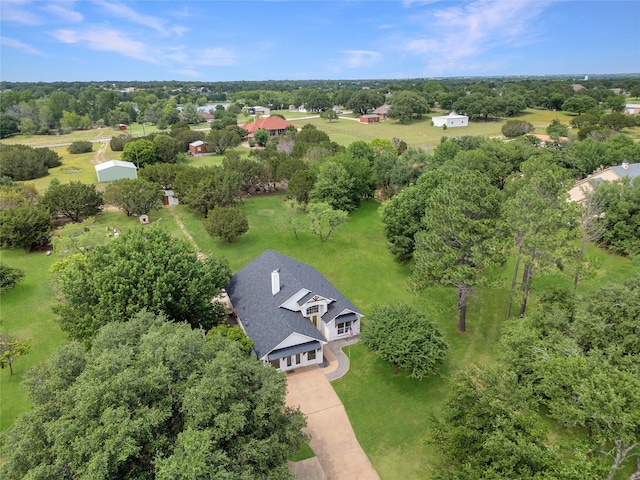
[[198, 147], [115, 170], [370, 118], [169, 198], [452, 120]]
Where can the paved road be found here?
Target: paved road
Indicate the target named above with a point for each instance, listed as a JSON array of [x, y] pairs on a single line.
[[332, 438]]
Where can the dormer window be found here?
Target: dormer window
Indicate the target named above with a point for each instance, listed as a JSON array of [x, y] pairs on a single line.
[[313, 309]]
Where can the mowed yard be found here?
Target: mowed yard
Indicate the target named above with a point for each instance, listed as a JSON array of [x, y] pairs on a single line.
[[420, 133], [391, 415]]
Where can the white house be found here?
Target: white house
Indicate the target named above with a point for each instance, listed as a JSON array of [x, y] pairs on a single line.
[[632, 108], [452, 120], [290, 310], [115, 170]]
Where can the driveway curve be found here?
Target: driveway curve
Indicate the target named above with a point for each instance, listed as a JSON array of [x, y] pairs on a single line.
[[332, 438]]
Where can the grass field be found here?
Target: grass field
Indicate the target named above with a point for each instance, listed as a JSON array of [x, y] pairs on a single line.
[[420, 133]]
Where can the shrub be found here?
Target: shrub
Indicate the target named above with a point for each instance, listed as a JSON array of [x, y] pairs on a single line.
[[117, 142], [20, 162], [516, 128], [80, 147], [9, 277], [227, 223]]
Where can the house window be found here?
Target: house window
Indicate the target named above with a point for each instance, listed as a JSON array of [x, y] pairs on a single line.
[[275, 363], [288, 361], [311, 355], [343, 327], [313, 309]]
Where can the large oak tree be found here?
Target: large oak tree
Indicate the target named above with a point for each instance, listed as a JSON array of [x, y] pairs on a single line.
[[145, 268], [153, 399]]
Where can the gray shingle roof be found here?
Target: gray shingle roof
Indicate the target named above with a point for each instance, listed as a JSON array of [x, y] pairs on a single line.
[[632, 170], [264, 321]]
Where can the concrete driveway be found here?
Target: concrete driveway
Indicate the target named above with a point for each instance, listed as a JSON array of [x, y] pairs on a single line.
[[332, 438]]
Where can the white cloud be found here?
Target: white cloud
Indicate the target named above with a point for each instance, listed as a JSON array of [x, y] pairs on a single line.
[[464, 31], [360, 58], [62, 10], [107, 40], [18, 45], [180, 30], [123, 11], [18, 11], [184, 13]]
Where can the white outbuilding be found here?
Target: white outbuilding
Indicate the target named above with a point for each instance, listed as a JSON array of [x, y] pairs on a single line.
[[114, 170], [452, 120]]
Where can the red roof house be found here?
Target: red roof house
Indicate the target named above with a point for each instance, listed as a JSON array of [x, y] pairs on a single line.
[[273, 125]]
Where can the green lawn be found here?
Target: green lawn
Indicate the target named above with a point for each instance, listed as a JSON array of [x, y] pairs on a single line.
[[420, 133], [25, 313]]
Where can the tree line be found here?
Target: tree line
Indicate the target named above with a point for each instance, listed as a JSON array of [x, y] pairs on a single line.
[[62, 107]]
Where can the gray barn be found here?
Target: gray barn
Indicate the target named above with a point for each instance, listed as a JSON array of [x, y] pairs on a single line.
[[115, 170]]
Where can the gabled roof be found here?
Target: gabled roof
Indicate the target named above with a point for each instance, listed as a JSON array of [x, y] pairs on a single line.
[[269, 123], [197, 143], [263, 315], [451, 115], [631, 170], [383, 109], [114, 163]]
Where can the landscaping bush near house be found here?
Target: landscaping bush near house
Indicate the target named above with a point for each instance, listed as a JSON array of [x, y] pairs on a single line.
[[80, 146]]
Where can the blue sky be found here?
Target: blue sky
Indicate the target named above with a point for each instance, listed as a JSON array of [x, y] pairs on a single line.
[[203, 40]]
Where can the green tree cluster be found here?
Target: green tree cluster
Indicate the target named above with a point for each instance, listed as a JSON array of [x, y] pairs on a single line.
[[461, 236], [143, 269], [580, 359], [227, 223], [405, 338], [25, 226], [73, 200], [134, 196], [20, 162], [153, 400]]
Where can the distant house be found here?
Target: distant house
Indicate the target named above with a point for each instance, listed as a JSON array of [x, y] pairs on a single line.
[[452, 120], [273, 125], [198, 147], [632, 108], [207, 117], [262, 111], [382, 111], [577, 87], [290, 310], [610, 174], [115, 170], [369, 118]]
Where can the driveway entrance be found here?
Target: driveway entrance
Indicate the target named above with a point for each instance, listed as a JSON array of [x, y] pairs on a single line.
[[332, 438]]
